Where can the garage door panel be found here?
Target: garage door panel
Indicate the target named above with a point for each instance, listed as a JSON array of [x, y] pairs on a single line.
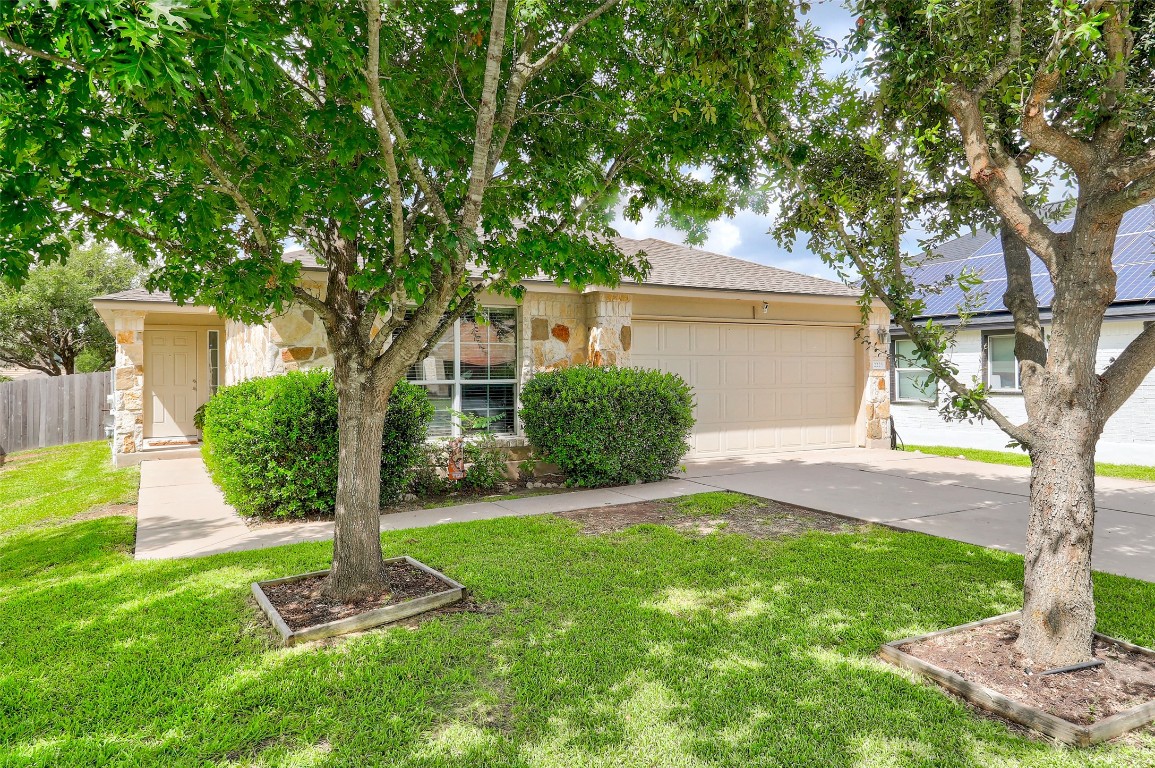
[[707, 338], [737, 407], [758, 388], [737, 372], [707, 372]]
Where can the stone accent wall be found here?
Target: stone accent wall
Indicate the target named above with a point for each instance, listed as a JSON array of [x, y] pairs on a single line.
[[250, 352], [560, 330], [610, 332], [293, 341], [128, 382], [877, 393]]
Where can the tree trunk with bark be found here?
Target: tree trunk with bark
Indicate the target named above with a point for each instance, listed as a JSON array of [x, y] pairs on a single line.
[[1066, 418], [1058, 601], [357, 559]]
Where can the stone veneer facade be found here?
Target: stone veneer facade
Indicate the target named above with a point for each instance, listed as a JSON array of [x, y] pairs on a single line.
[[877, 394], [564, 329], [128, 383]]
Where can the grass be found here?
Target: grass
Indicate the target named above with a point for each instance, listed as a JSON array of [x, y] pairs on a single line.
[[58, 483], [1020, 459], [641, 648]]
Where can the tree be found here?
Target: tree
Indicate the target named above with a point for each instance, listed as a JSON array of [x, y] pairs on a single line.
[[49, 325], [425, 152], [973, 110]]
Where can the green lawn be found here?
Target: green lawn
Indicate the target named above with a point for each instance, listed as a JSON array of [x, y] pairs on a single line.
[[641, 648], [57, 483], [1020, 459]]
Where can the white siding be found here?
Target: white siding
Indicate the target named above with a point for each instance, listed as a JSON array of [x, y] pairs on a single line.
[[1128, 438]]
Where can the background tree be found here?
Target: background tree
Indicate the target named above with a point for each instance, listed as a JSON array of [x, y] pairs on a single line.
[[425, 152], [48, 324], [972, 110]]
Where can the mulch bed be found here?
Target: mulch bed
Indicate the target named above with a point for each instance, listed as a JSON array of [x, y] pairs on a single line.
[[762, 519], [986, 655], [303, 604]]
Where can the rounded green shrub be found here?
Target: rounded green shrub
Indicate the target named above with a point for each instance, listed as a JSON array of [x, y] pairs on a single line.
[[609, 426], [272, 445]]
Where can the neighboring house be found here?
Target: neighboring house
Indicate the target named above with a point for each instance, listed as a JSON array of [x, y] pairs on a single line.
[[774, 357], [16, 373], [985, 349]]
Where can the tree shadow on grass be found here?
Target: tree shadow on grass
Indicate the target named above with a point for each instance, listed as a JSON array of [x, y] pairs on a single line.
[[642, 648]]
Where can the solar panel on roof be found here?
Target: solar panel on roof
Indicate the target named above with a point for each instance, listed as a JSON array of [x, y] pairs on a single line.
[[1134, 261]]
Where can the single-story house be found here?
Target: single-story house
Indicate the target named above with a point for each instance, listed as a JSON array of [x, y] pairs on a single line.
[[779, 361], [984, 348]]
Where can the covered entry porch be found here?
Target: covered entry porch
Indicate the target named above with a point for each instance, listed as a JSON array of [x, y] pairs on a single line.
[[168, 363]]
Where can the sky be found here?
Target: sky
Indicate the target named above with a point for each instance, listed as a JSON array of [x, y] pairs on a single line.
[[746, 235]]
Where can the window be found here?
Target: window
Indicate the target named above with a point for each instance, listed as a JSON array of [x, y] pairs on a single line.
[[214, 361], [911, 382], [1002, 366], [472, 370]]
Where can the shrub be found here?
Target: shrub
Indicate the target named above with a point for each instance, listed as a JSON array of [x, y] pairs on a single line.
[[608, 426], [271, 444]]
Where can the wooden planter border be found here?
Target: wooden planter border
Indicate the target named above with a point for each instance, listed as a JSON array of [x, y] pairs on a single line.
[[453, 593], [1036, 719]]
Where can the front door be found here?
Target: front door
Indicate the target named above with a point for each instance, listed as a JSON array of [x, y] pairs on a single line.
[[171, 382]]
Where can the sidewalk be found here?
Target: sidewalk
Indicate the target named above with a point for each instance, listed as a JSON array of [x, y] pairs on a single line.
[[182, 514]]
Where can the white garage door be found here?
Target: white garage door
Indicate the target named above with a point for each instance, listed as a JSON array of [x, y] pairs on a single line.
[[758, 388]]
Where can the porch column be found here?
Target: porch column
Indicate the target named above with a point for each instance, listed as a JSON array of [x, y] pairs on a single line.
[[877, 395], [128, 378]]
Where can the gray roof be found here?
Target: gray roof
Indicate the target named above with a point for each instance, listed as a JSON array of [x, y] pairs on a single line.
[[680, 266], [136, 294], [673, 266]]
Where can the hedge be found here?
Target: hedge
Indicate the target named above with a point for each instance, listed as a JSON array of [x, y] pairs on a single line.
[[271, 443], [608, 426]]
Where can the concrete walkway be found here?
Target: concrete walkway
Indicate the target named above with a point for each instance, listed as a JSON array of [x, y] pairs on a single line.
[[181, 514]]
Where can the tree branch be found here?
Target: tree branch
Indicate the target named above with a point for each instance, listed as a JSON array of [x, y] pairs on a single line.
[[234, 192], [16, 47], [384, 137], [992, 179], [1079, 155], [486, 111], [1014, 50]]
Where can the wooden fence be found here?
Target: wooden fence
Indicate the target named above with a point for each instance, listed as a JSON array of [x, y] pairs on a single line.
[[53, 410]]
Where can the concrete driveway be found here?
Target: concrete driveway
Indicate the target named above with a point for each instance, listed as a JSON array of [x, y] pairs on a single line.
[[985, 504]]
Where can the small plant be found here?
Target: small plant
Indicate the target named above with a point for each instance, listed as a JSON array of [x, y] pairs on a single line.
[[485, 463], [527, 469], [425, 478]]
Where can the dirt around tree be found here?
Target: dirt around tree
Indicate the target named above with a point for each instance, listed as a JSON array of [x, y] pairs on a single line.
[[758, 518]]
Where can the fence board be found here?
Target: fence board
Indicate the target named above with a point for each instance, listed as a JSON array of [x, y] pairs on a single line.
[[54, 410]]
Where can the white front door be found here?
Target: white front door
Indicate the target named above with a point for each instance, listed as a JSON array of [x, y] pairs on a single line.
[[758, 388], [170, 374]]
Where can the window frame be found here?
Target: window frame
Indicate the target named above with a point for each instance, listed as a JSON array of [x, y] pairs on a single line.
[[897, 369], [458, 382], [986, 356], [214, 371]]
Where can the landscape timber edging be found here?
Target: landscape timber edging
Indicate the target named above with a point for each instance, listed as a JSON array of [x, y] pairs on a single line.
[[453, 593], [1034, 718]]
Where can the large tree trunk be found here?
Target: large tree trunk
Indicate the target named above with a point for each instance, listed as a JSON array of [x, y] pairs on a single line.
[[1058, 602], [1063, 403], [357, 561]]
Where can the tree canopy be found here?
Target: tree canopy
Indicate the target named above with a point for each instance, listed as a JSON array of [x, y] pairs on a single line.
[[49, 325]]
